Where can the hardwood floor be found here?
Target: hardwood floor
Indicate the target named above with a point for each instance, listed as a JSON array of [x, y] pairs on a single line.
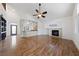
[[37, 46]]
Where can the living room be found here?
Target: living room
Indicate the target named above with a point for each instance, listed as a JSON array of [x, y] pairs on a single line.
[[59, 20]]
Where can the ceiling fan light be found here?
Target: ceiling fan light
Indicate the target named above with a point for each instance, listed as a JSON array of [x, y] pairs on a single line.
[[39, 15]]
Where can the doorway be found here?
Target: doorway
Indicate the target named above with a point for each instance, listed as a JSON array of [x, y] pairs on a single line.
[[13, 29]]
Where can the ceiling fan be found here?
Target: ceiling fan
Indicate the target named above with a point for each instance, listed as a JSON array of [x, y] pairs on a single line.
[[39, 12]]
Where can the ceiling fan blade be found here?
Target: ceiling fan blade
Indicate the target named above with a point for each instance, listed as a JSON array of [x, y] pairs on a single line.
[[37, 11], [35, 15], [39, 4], [44, 12], [43, 16], [38, 17]]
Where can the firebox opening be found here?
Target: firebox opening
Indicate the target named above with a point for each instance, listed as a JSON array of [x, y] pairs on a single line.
[[55, 32]]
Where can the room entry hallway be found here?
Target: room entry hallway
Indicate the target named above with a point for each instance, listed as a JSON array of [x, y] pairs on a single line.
[[42, 45]]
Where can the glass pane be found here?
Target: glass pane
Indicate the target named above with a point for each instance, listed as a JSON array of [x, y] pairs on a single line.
[[13, 29]]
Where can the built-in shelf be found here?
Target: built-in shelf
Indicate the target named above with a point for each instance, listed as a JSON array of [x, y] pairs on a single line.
[[3, 32], [2, 28]]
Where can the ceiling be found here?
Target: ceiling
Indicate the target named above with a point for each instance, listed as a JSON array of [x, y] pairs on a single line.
[[55, 10]]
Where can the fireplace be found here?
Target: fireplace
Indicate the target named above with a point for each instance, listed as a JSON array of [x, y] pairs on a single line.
[[55, 32]]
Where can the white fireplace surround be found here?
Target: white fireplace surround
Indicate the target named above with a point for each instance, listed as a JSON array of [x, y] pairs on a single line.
[[60, 31]]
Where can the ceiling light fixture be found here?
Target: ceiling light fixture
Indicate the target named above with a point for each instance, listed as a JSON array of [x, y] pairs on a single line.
[[39, 12]]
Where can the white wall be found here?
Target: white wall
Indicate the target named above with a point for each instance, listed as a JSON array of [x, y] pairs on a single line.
[[76, 25], [66, 23], [41, 27], [12, 18]]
